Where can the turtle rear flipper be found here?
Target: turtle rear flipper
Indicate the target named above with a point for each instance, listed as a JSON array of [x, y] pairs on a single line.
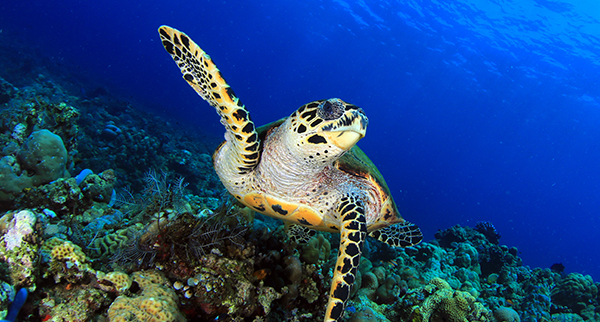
[[299, 233], [403, 234], [205, 78], [353, 234]]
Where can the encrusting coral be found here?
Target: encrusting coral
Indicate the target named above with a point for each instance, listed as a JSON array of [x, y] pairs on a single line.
[[114, 281], [18, 247], [438, 302], [156, 301], [66, 260]]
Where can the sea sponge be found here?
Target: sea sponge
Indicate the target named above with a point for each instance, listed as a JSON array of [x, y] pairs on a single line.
[[156, 302], [506, 314]]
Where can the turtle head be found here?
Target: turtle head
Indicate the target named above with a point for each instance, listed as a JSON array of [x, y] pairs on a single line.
[[327, 128]]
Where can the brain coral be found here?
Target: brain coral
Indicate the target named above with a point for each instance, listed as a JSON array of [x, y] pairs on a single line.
[[506, 314], [156, 302]]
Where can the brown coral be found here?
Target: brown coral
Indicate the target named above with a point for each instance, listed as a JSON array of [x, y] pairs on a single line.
[[156, 302], [114, 281], [66, 260]]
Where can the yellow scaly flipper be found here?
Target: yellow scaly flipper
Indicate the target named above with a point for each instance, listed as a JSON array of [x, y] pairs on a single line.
[[206, 79]]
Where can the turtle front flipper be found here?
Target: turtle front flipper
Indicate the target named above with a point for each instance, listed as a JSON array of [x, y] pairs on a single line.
[[205, 78], [353, 234], [403, 234]]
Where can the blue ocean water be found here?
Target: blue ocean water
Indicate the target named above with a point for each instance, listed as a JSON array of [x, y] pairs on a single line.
[[479, 110]]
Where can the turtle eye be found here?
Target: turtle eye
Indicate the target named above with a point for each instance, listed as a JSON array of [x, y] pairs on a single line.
[[330, 109]]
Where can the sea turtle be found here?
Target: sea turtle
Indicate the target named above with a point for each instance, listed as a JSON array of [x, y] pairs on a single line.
[[304, 169]]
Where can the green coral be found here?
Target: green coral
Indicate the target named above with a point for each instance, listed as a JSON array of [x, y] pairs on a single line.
[[6, 294], [317, 248]]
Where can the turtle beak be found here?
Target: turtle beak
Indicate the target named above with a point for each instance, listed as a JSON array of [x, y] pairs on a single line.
[[345, 140], [346, 136]]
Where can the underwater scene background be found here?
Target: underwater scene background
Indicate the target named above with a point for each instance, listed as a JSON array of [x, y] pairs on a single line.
[[484, 120]]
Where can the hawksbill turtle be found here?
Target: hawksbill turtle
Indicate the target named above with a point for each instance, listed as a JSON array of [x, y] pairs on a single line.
[[304, 169]]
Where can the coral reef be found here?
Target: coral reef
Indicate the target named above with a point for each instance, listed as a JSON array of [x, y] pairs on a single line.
[[174, 251], [71, 303], [576, 293], [114, 281]]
